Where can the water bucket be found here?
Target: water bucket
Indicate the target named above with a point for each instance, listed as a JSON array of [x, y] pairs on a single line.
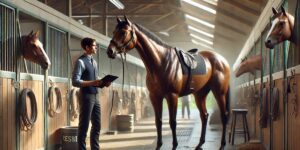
[[125, 123], [69, 137]]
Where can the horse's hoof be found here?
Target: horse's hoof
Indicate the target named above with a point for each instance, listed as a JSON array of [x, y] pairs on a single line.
[[222, 147]]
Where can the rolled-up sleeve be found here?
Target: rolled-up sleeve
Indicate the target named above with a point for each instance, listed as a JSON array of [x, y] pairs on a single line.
[[77, 72]]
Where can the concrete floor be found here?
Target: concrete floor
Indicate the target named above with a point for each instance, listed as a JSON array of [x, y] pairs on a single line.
[[188, 135]]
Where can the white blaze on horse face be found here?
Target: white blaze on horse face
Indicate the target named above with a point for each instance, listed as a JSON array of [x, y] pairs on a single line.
[[272, 39], [40, 45]]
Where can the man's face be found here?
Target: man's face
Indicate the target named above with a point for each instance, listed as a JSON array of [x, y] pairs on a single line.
[[92, 49]]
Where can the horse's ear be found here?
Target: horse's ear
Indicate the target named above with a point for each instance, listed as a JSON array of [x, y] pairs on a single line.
[[36, 34], [30, 34], [274, 11], [127, 20], [283, 10], [119, 20]]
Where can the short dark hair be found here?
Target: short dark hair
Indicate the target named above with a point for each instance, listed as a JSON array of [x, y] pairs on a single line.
[[87, 42]]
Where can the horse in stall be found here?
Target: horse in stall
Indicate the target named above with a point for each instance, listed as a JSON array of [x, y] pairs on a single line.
[[282, 29], [32, 49], [165, 78], [250, 64]]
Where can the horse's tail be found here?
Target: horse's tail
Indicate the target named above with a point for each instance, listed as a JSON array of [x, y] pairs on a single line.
[[228, 104]]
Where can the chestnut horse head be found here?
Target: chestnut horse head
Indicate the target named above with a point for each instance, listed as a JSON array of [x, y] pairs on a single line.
[[281, 28], [165, 78], [32, 49]]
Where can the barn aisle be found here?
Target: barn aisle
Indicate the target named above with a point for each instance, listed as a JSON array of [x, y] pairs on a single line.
[[188, 134]]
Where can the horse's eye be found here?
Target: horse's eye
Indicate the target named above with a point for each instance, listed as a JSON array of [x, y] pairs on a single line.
[[281, 24], [122, 33]]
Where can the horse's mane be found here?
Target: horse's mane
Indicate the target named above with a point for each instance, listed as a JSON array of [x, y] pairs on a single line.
[[152, 36]]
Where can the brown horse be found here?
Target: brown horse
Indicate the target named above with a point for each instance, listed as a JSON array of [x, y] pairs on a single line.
[[32, 49], [249, 65], [165, 77], [281, 29]]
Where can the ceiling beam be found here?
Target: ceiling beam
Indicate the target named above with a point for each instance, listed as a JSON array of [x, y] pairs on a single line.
[[162, 17], [242, 7], [222, 10], [231, 28]]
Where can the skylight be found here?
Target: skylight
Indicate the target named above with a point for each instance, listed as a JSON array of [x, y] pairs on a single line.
[[201, 44], [200, 21], [213, 2], [201, 39], [200, 31], [191, 2]]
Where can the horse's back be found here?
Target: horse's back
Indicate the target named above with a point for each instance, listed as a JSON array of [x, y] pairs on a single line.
[[216, 60]]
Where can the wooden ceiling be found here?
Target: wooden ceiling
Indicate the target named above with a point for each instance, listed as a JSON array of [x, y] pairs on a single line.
[[234, 19]]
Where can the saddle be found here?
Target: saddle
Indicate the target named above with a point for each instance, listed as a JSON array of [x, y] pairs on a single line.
[[189, 58]]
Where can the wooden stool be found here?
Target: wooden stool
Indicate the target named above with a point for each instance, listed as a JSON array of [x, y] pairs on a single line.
[[245, 129]]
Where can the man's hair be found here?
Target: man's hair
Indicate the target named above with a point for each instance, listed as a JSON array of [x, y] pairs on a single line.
[[87, 42]]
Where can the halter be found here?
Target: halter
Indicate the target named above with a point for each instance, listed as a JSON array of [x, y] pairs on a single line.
[[123, 47]]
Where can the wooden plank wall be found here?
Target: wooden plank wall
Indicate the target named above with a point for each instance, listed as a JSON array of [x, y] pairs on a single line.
[[294, 121], [7, 115], [34, 139], [58, 120]]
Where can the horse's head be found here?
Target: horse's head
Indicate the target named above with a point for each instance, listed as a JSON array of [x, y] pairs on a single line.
[[32, 49], [280, 30], [123, 40]]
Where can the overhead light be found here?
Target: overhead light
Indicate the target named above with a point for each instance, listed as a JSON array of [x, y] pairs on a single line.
[[201, 44], [200, 21], [213, 2], [200, 31], [164, 33], [210, 10], [201, 39], [117, 3]]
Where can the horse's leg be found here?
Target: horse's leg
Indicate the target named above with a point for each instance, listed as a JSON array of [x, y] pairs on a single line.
[[221, 100], [172, 100], [200, 98], [157, 105]]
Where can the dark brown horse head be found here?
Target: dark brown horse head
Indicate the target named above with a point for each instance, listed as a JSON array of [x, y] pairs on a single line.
[[123, 40], [281, 28], [32, 49]]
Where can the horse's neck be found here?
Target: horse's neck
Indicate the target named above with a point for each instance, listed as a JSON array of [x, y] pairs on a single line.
[[152, 54]]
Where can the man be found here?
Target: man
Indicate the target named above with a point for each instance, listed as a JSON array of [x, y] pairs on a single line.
[[85, 76], [186, 103]]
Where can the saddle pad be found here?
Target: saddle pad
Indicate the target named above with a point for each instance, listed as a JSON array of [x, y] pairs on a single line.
[[199, 70]]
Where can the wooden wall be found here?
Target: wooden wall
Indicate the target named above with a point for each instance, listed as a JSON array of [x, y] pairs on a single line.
[[58, 120], [33, 139], [7, 115]]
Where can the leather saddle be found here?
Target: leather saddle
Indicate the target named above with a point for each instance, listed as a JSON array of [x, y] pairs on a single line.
[[189, 57]]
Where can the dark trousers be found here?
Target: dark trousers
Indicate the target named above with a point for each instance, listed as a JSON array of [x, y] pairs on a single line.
[[89, 110]]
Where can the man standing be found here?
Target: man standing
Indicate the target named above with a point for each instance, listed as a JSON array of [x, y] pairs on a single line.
[[186, 103], [85, 76]]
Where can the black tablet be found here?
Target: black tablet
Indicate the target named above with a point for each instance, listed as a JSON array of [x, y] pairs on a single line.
[[109, 78]]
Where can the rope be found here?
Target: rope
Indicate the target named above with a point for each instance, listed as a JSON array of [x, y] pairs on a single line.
[[54, 92], [27, 121], [74, 107]]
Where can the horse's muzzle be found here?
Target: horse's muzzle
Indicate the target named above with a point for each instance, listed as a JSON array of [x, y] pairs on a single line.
[[111, 53], [268, 44]]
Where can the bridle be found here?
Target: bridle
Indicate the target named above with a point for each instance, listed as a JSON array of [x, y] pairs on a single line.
[[123, 48]]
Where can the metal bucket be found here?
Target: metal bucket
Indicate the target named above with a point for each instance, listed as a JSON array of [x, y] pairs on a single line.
[[125, 123], [69, 137]]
